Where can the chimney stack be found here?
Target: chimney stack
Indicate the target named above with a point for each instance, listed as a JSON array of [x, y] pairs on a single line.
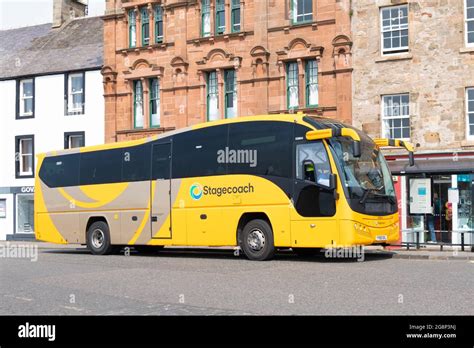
[[64, 10]]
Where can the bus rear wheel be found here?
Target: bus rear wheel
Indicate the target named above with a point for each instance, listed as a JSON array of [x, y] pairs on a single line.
[[256, 240], [98, 238]]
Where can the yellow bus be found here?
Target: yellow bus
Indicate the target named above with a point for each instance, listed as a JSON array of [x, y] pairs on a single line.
[[258, 183]]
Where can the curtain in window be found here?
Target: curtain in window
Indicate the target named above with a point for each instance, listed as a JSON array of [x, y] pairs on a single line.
[[293, 90], [132, 29], [206, 18], [155, 103], [231, 93], [138, 104], [213, 97]]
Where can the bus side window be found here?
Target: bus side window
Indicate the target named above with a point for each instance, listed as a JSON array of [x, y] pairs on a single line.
[[312, 163]]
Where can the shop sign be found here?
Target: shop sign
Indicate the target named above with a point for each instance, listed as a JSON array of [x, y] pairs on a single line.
[[420, 196]]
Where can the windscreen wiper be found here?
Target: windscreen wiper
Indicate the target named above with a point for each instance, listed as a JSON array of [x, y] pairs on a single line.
[[374, 191]]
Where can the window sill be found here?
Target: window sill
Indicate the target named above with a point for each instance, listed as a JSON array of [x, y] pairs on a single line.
[[313, 24], [220, 37], [25, 117], [395, 57], [467, 143], [466, 49], [158, 45]]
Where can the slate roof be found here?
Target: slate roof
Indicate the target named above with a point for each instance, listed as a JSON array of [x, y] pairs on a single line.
[[39, 49]]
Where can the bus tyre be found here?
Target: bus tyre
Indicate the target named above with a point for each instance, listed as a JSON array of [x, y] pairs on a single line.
[[98, 238], [256, 240]]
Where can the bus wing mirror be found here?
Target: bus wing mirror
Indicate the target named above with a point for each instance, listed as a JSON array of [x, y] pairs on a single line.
[[337, 132], [383, 142]]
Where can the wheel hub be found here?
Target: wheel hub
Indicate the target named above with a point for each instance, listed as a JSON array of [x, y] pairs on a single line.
[[97, 238], [256, 240]]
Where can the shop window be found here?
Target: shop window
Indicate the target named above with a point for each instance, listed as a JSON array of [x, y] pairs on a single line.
[[25, 213]]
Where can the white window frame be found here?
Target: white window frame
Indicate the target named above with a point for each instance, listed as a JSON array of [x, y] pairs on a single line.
[[401, 49], [383, 118], [22, 112], [70, 102], [468, 135], [466, 21], [21, 154]]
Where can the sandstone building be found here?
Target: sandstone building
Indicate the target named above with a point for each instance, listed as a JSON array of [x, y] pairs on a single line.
[[173, 63], [414, 79]]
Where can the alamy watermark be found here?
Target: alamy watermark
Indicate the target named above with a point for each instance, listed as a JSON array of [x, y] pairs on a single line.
[[228, 155], [19, 251], [353, 252]]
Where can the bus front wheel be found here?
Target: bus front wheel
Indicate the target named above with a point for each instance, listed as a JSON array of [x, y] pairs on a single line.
[[256, 240], [98, 238]]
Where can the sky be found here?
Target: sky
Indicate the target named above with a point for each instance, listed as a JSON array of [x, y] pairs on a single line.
[[22, 13]]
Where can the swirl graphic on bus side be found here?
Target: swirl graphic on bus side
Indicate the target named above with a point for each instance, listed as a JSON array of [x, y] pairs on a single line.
[[196, 191]]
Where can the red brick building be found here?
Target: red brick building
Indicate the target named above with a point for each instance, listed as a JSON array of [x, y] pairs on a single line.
[[173, 63]]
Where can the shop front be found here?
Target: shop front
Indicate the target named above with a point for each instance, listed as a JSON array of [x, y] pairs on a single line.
[[17, 213], [436, 197]]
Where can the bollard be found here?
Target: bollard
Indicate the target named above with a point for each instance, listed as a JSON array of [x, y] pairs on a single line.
[[462, 241], [418, 240]]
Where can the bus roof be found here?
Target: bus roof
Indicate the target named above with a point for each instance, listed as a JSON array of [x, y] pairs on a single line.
[[315, 122]]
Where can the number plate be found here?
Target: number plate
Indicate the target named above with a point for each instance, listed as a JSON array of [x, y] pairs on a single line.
[[384, 237]]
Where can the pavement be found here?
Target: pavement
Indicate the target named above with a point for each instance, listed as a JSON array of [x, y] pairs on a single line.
[[68, 280]]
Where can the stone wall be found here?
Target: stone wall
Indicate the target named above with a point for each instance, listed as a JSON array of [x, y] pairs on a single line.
[[435, 72]]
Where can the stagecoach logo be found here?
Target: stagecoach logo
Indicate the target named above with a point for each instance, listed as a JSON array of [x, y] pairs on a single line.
[[196, 191]]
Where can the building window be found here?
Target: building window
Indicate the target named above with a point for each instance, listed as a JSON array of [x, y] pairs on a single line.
[[311, 73], [24, 156], [292, 88], [74, 139], [25, 213], [469, 22], [470, 112], [212, 96], [301, 11], [230, 78], [75, 93], [396, 116], [3, 208], [132, 29], [158, 24], [154, 102], [220, 17], [26, 95], [235, 16], [394, 27], [206, 18], [145, 26], [138, 116]]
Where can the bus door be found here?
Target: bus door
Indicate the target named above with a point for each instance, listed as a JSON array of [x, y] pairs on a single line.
[[161, 191], [313, 222]]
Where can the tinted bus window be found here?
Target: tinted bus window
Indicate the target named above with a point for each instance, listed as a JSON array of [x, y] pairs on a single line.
[[136, 163], [195, 153], [101, 167], [261, 148], [60, 171], [161, 161]]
